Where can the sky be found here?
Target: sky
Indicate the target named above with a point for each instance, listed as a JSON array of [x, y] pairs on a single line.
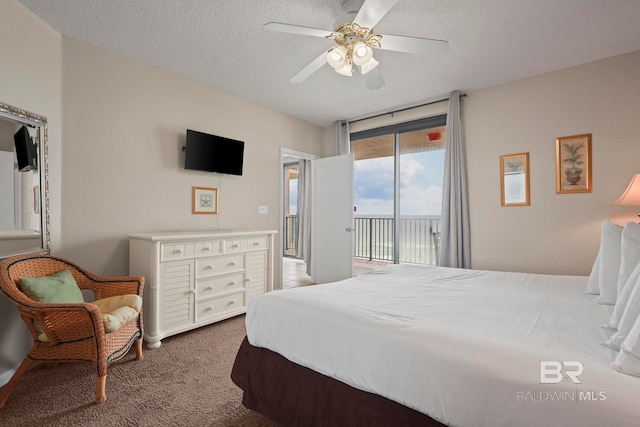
[[293, 196], [420, 184]]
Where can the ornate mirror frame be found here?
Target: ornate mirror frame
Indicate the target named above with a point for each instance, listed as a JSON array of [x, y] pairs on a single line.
[[23, 117]]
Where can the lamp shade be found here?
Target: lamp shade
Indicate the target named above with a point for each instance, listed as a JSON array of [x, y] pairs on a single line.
[[337, 56], [368, 66], [346, 70], [631, 196], [361, 53]]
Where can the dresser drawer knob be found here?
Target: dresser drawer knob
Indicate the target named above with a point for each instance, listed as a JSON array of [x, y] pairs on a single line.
[[248, 279], [232, 302], [232, 283], [232, 264], [208, 288], [207, 249], [256, 243], [209, 267], [235, 246], [210, 308], [192, 291], [178, 251]]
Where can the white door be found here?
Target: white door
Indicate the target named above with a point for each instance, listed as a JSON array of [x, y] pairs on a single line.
[[332, 219]]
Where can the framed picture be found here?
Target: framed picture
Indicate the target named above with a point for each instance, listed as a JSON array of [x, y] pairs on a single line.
[[514, 180], [205, 200], [36, 199], [573, 164]]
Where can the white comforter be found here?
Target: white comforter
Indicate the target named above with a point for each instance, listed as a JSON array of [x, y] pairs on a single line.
[[463, 346]]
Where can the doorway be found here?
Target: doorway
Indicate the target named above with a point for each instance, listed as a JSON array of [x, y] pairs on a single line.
[[293, 271]]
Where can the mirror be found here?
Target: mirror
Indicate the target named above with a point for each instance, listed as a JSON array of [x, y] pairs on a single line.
[[24, 195], [514, 179]]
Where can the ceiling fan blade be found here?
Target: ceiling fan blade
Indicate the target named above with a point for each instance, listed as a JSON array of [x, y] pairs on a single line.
[[372, 12], [374, 79], [296, 29], [415, 45], [314, 66]]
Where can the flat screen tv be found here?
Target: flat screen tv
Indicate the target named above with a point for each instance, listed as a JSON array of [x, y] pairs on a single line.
[[211, 153], [26, 150]]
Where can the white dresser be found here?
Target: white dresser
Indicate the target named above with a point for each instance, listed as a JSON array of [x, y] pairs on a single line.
[[193, 279]]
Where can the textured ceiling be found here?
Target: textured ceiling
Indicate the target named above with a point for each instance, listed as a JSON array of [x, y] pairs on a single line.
[[223, 44]]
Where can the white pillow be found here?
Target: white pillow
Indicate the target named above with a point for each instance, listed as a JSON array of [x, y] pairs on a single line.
[[630, 313], [610, 254], [592, 284], [630, 252], [628, 360], [630, 258]]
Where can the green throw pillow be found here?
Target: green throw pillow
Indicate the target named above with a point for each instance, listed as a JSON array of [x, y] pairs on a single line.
[[58, 287]]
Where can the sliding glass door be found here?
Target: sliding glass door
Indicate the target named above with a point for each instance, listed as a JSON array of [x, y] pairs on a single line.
[[398, 191]]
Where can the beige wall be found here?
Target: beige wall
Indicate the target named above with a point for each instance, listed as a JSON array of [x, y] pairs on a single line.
[[124, 126], [558, 233], [30, 79]]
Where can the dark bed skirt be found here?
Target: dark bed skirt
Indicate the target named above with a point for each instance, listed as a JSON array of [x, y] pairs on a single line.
[[293, 395]]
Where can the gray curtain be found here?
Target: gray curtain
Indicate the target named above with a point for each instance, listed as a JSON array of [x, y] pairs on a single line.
[[303, 240], [341, 138], [455, 249]]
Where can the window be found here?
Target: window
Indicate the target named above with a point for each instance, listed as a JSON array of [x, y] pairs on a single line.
[[398, 178]]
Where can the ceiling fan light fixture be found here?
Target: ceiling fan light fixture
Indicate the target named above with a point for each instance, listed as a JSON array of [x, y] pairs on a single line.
[[361, 53], [346, 70], [370, 65], [337, 57]]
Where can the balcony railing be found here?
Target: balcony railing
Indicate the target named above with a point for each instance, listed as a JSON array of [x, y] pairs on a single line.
[[373, 238], [291, 234]]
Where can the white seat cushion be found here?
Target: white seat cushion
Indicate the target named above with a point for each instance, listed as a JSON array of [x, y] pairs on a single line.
[[118, 310]]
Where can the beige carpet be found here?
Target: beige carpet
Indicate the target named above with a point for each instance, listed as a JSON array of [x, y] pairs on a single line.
[[186, 382]]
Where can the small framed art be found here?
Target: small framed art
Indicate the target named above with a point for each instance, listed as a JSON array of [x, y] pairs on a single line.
[[205, 200], [573, 164], [514, 180]]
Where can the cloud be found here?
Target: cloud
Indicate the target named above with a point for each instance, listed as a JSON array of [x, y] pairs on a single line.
[[373, 179], [420, 184]]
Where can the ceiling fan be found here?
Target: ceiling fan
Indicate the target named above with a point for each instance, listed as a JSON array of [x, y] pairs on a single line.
[[356, 40]]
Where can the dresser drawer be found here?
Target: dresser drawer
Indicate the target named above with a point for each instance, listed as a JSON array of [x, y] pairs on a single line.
[[206, 288], [207, 248], [242, 245], [218, 306], [176, 251], [206, 267]]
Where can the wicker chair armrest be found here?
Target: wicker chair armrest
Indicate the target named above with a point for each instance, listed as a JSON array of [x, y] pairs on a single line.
[[105, 287], [63, 322]]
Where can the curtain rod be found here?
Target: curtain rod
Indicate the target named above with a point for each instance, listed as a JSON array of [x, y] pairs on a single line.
[[404, 109]]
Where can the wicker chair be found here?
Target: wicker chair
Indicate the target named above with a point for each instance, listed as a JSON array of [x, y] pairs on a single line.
[[75, 331]]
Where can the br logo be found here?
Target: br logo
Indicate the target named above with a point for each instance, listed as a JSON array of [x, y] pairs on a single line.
[[553, 371]]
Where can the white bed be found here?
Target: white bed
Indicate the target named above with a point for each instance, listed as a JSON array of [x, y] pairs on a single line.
[[462, 346]]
